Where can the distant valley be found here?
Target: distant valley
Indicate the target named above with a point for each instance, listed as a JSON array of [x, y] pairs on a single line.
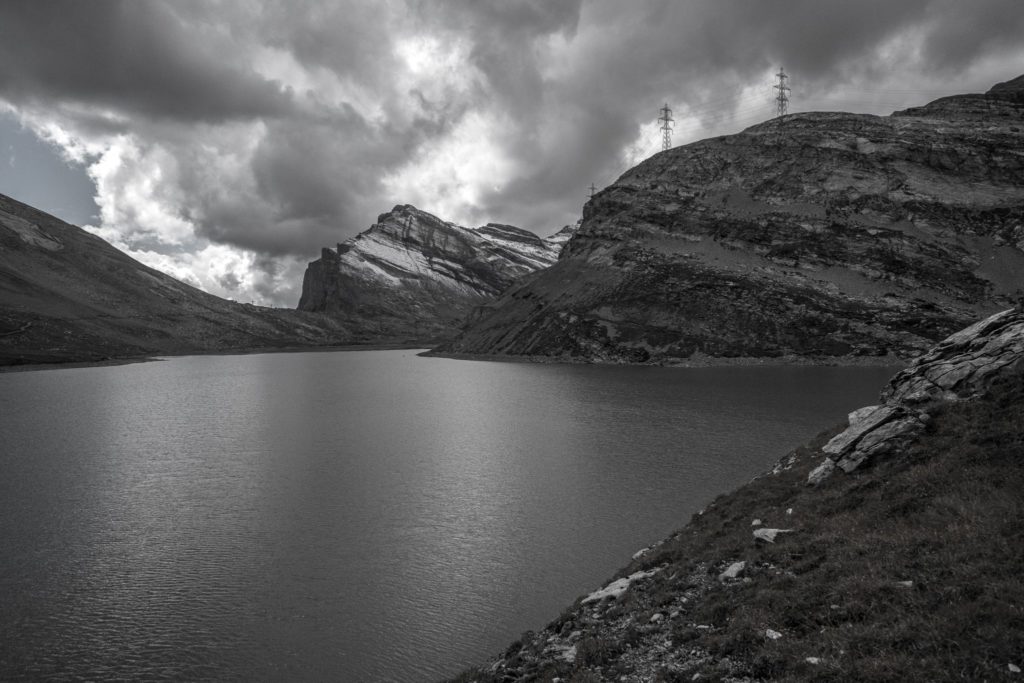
[[67, 295], [411, 279]]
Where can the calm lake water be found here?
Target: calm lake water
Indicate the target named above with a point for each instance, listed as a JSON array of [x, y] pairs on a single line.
[[359, 516]]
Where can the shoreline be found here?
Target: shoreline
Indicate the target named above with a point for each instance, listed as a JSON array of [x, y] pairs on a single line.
[[693, 362], [156, 357], [698, 362]]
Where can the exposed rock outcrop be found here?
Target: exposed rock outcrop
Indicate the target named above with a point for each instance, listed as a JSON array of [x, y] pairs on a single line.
[[817, 234], [413, 273], [66, 295], [960, 368]]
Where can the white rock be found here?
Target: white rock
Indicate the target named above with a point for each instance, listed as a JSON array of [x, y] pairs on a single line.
[[756, 522], [772, 635], [882, 440], [841, 442], [733, 571], [859, 414], [768, 535], [656, 617], [821, 472], [618, 587], [812, 660], [1014, 669], [905, 584], [789, 511]]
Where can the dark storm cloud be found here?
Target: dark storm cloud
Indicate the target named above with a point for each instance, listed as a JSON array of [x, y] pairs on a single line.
[[132, 56], [634, 55], [280, 123], [966, 31]]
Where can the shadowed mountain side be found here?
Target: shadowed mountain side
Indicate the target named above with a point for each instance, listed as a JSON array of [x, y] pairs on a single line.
[[412, 273], [819, 235], [67, 295]]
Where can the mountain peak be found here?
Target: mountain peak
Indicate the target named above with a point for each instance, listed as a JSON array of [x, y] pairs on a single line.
[[413, 271]]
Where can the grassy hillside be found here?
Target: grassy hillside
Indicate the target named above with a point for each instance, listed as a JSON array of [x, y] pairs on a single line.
[[67, 295]]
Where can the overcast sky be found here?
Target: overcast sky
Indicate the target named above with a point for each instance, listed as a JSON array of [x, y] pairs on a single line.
[[226, 142]]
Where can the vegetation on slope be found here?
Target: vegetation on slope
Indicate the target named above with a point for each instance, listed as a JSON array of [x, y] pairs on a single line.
[[68, 296]]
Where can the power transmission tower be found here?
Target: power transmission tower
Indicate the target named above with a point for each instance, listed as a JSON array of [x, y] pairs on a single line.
[[782, 99], [593, 190], [666, 121]]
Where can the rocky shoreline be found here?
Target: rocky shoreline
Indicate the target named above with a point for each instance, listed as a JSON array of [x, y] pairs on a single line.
[[865, 574]]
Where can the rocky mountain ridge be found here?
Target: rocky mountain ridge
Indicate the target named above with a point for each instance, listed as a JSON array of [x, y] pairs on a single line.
[[412, 272], [67, 295], [814, 235]]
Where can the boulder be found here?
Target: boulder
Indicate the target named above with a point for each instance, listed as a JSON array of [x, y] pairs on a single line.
[[769, 535]]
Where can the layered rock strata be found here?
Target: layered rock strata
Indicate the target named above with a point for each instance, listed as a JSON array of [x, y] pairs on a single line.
[[960, 368], [818, 235], [413, 273]]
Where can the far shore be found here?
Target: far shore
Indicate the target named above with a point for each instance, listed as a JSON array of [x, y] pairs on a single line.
[[700, 361], [32, 367]]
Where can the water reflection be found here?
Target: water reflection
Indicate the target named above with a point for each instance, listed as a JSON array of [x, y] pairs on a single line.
[[354, 516]]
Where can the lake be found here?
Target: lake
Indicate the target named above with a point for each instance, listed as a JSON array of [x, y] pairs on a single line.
[[354, 516]]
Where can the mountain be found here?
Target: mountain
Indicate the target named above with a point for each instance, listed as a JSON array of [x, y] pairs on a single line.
[[817, 235], [887, 549], [413, 273], [67, 295]]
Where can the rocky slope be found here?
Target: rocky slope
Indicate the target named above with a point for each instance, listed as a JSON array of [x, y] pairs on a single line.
[[959, 368], [67, 295], [901, 567], [818, 234], [413, 273]]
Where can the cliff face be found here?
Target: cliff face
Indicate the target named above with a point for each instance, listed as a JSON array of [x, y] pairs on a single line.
[[412, 272], [66, 295], [819, 234]]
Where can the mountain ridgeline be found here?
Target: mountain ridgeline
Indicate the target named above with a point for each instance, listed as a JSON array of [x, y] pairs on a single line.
[[412, 273], [817, 235], [69, 296]]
